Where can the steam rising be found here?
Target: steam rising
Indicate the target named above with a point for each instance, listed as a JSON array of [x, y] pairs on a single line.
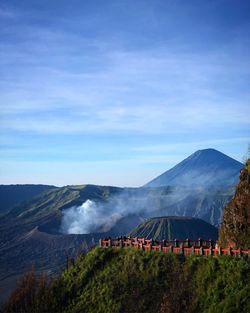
[[126, 209], [87, 218], [100, 216]]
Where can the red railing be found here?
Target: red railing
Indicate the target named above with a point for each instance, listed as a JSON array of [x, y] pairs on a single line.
[[186, 247]]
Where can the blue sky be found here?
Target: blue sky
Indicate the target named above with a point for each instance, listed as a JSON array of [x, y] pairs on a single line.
[[116, 92]]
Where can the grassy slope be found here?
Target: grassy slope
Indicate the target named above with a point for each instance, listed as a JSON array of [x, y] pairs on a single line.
[[57, 199], [110, 281]]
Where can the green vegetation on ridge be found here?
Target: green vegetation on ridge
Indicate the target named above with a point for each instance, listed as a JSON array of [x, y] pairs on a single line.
[[235, 230], [120, 280]]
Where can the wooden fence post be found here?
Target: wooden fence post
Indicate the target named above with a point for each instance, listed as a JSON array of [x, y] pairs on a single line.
[[201, 250], [210, 250], [192, 249], [181, 250], [211, 243]]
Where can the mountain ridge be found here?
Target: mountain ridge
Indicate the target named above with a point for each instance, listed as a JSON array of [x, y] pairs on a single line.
[[38, 219], [14, 194]]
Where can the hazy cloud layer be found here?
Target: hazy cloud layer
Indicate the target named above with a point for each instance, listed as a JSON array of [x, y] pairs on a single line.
[[81, 78]]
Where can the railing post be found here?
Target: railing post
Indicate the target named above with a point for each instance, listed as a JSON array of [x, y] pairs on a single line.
[[192, 249], [176, 243], [211, 243], [229, 251], [201, 250], [171, 249], [188, 242], [181, 251], [210, 250], [240, 253], [199, 242]]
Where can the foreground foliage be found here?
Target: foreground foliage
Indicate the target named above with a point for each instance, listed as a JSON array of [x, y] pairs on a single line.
[[119, 280], [234, 230]]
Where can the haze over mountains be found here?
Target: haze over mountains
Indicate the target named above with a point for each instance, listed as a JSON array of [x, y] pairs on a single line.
[[60, 221], [199, 186], [205, 168]]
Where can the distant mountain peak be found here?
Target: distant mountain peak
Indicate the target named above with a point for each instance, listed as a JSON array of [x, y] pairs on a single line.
[[207, 167], [207, 150]]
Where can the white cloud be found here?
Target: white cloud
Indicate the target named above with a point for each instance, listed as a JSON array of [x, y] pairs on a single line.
[[128, 91], [56, 81]]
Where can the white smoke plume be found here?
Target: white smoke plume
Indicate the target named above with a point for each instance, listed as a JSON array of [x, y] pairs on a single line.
[[87, 218]]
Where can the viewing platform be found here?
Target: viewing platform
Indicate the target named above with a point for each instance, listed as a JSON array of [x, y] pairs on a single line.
[[184, 247]]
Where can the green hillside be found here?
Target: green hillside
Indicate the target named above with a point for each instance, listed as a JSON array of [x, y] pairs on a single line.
[[125, 281], [175, 227]]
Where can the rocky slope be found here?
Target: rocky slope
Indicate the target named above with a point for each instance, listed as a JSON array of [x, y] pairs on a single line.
[[175, 227], [235, 226]]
